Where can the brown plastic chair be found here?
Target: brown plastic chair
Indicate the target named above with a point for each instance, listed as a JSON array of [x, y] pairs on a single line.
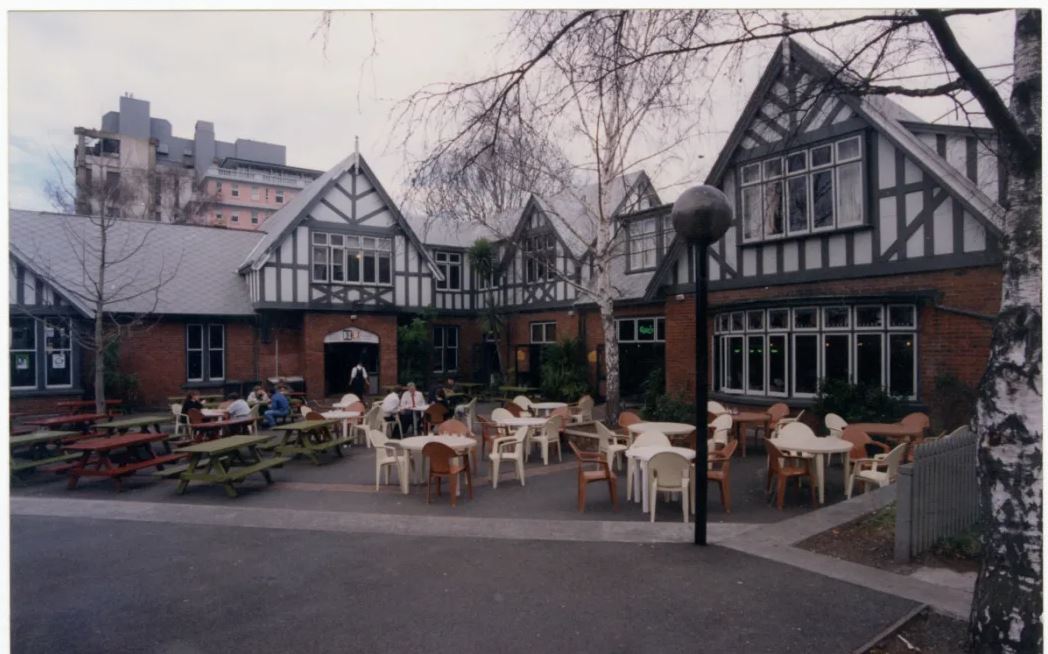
[[565, 417], [513, 408], [627, 418], [434, 415], [313, 415], [720, 471], [859, 440], [489, 431], [357, 406], [441, 464], [196, 416], [916, 420], [782, 468], [453, 427], [601, 473]]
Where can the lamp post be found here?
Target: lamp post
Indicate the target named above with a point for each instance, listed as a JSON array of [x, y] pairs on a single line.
[[700, 216]]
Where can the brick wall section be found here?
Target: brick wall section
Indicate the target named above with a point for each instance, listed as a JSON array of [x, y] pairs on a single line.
[[315, 326], [471, 336], [947, 342], [282, 354], [40, 404]]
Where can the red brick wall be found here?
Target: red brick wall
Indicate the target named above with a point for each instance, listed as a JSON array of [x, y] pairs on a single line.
[[947, 342], [471, 335], [315, 326], [282, 354], [39, 404]]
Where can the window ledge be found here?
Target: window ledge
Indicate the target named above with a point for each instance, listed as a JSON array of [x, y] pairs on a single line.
[[798, 237]]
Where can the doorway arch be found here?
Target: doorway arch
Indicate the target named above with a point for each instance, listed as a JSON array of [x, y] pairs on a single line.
[[343, 349]]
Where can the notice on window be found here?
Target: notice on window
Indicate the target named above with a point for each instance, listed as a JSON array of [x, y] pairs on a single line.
[[58, 361], [21, 362]]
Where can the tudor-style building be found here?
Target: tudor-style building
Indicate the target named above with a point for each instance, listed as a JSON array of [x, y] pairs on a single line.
[[864, 247]]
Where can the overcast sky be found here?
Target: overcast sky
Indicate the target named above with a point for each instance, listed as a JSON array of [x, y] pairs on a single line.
[[259, 75]]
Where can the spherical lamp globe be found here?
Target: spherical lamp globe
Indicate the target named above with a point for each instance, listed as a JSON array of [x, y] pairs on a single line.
[[701, 213]]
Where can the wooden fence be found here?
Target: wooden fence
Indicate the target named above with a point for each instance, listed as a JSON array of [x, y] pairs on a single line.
[[937, 494]]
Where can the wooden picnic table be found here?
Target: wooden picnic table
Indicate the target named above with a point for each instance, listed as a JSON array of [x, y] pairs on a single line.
[[212, 429], [38, 452], [77, 405], [224, 461], [309, 437], [81, 421], [143, 422], [97, 457], [213, 397]]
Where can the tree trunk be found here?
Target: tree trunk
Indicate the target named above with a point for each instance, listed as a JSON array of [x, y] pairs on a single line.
[[100, 365], [606, 304], [1006, 610]]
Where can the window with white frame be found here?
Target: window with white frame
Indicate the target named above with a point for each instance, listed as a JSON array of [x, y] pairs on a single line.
[[789, 352], [58, 353], [254, 217], [819, 188], [22, 338], [205, 352], [234, 190], [450, 266], [350, 259], [543, 332], [445, 349], [642, 237], [642, 330], [280, 197], [539, 253], [254, 193]]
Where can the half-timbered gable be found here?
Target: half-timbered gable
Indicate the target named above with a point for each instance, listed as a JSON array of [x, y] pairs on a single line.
[[341, 244]]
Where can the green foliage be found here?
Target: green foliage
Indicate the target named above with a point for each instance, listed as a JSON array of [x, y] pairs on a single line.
[[952, 403], [564, 371], [660, 407], [965, 545], [857, 402], [482, 257], [414, 342], [118, 384]]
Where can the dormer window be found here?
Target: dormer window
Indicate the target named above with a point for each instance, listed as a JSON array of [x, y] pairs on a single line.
[[806, 191], [647, 241], [450, 265]]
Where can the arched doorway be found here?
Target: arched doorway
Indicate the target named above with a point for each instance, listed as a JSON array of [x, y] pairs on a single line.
[[343, 349]]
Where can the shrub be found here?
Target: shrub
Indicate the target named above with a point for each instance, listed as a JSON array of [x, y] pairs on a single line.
[[413, 348], [563, 374], [965, 545], [857, 402], [660, 407], [952, 403]]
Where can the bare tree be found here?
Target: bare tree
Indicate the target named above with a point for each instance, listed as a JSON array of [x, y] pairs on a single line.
[[597, 64], [107, 258]]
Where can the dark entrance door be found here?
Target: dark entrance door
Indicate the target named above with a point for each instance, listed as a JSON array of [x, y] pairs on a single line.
[[339, 359]]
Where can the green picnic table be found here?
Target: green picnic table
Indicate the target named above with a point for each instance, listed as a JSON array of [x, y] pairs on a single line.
[[214, 397], [37, 452], [125, 424], [309, 437], [224, 461]]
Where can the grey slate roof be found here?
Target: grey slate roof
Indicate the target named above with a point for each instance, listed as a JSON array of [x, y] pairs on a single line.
[[199, 262], [574, 212], [447, 232]]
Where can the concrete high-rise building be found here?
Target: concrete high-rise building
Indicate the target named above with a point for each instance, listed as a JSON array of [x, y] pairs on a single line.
[[167, 178]]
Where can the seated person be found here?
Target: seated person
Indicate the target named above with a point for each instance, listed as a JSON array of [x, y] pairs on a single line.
[[192, 401], [390, 407], [238, 408], [408, 402], [258, 395], [278, 407]]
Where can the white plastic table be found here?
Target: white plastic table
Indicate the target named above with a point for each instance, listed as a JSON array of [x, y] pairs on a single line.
[[548, 407], [642, 455], [414, 444], [668, 428], [214, 413], [522, 421], [344, 416], [819, 447]]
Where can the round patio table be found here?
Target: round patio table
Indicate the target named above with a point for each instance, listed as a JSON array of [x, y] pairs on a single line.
[[819, 447], [548, 407], [344, 416], [522, 421], [642, 455], [668, 428], [217, 414], [895, 430], [413, 444]]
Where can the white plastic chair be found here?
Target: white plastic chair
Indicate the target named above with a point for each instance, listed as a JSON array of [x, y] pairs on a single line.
[[668, 472], [785, 421], [372, 420], [389, 454], [868, 471], [835, 424], [608, 444], [348, 398], [715, 408], [508, 448], [721, 428], [644, 440], [584, 410], [547, 435], [181, 420], [523, 402], [499, 414], [469, 412], [799, 433]]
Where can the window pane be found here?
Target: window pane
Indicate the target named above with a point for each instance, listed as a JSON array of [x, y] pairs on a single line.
[[216, 363], [536, 332], [900, 364], [868, 358], [454, 279], [369, 268], [778, 318], [869, 317], [23, 369], [805, 363], [751, 173], [626, 330], [797, 162], [735, 363], [849, 194], [23, 333], [777, 364], [805, 318], [384, 269], [660, 329], [835, 317], [551, 332], [646, 330], [848, 149], [772, 168], [751, 212], [773, 208], [822, 199], [338, 265], [216, 338], [737, 321], [353, 267], [320, 264], [195, 336], [195, 365], [722, 322], [755, 363], [901, 316], [836, 356], [798, 203], [821, 155], [755, 320]]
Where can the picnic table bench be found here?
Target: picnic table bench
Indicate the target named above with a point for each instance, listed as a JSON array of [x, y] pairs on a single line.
[[81, 421], [309, 437], [144, 422], [97, 457], [222, 461], [38, 452]]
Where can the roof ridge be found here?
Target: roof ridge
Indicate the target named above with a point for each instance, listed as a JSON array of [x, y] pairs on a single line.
[[59, 214]]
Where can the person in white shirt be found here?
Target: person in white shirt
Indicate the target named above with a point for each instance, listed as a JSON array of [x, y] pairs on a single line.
[[258, 395], [238, 409], [391, 407], [358, 380], [409, 401]]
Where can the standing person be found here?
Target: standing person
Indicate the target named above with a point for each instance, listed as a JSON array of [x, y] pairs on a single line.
[[358, 380], [278, 407]]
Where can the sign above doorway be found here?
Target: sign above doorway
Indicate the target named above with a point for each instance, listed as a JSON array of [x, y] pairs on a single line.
[[351, 335]]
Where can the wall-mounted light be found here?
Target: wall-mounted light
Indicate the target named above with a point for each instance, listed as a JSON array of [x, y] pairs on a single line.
[[353, 316], [571, 312], [680, 297]]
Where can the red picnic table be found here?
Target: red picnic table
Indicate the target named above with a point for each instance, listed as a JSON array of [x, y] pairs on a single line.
[[97, 461], [81, 421], [211, 429], [77, 405]]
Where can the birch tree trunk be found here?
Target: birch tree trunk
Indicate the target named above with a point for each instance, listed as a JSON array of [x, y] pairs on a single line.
[[99, 339], [605, 299], [1006, 611]]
